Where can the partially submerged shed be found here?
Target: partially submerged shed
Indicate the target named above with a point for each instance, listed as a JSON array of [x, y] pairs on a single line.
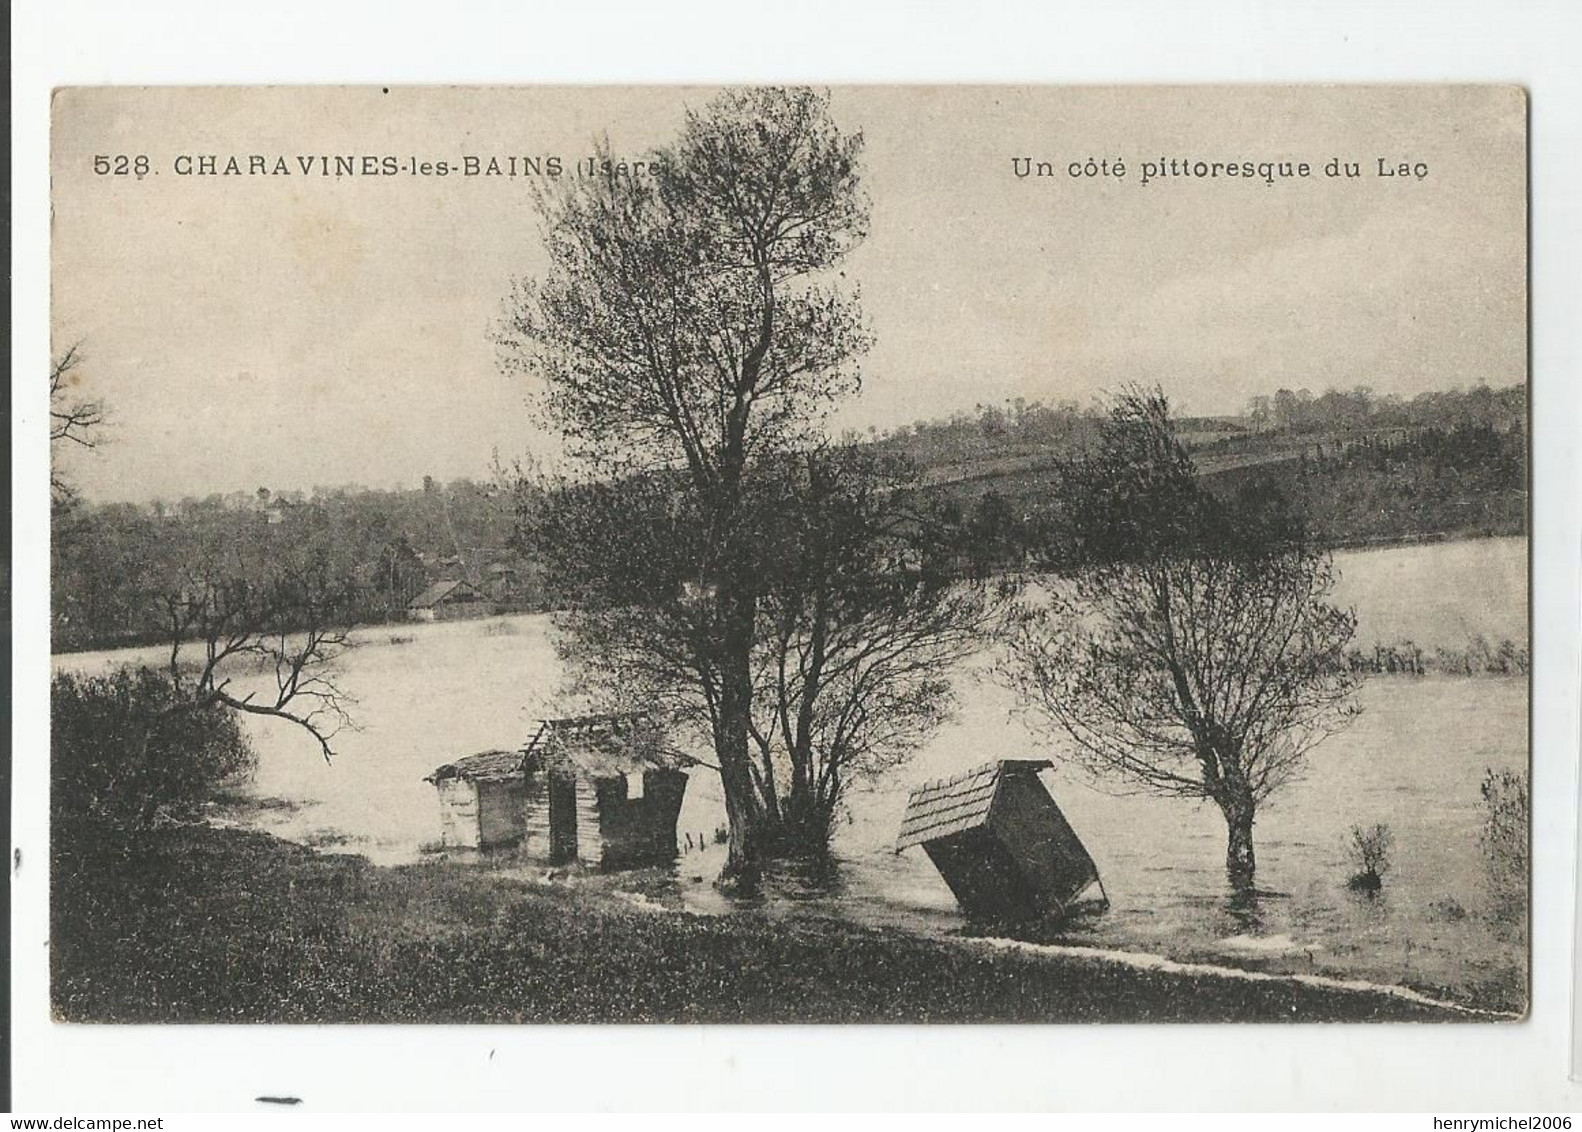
[[997, 837], [605, 791]]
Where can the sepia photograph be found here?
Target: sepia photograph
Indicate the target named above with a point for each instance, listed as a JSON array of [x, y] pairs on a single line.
[[789, 554]]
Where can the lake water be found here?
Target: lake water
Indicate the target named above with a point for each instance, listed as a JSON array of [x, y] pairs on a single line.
[[427, 694]]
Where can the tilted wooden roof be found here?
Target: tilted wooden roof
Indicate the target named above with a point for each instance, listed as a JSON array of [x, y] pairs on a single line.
[[947, 806]]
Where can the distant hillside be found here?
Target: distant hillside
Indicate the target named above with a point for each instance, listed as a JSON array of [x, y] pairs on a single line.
[[1360, 469]]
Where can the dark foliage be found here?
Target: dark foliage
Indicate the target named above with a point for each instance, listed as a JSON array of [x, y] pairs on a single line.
[[1469, 480], [112, 563], [1507, 843], [127, 748]]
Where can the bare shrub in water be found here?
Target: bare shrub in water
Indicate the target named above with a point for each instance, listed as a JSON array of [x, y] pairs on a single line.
[[1369, 850]]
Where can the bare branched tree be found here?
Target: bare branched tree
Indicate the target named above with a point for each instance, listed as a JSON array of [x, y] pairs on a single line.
[[1190, 649], [73, 420], [287, 625]]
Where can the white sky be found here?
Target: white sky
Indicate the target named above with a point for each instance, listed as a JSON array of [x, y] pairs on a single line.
[[293, 331]]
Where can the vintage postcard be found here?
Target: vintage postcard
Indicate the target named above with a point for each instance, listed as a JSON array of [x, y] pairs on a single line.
[[780, 554]]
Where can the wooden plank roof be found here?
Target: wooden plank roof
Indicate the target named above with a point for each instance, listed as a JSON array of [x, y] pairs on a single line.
[[602, 746], [947, 806], [482, 767], [598, 746]]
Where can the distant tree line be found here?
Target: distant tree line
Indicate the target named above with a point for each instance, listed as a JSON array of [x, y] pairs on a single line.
[[114, 563], [1021, 426], [1016, 427], [1333, 410], [1412, 480], [1464, 476]]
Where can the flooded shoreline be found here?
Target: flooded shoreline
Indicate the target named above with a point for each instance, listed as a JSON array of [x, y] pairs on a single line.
[[430, 693]]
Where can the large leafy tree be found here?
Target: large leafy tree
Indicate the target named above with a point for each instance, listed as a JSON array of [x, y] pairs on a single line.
[[693, 320], [1187, 646]]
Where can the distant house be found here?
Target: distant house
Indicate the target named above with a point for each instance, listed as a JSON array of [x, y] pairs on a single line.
[[444, 601], [1002, 845], [503, 582], [604, 791]]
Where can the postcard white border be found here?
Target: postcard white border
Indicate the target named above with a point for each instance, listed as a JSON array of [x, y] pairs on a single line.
[[1425, 1068]]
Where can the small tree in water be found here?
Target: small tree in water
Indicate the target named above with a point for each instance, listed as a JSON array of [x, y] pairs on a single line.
[[1369, 850], [1187, 647]]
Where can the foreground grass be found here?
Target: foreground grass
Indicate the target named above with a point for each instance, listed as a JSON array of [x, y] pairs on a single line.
[[204, 925]]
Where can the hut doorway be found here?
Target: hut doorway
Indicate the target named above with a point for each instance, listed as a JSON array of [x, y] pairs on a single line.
[[562, 819]]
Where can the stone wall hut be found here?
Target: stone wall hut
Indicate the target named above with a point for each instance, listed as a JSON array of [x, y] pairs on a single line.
[[604, 791], [1001, 843], [482, 800]]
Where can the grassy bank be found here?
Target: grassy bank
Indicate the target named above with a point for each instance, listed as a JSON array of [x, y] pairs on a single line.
[[197, 925]]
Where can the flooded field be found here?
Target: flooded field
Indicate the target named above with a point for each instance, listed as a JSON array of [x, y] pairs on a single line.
[[427, 694]]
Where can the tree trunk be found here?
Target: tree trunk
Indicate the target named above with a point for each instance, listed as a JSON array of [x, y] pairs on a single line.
[[804, 829], [1240, 863], [743, 808], [745, 849]]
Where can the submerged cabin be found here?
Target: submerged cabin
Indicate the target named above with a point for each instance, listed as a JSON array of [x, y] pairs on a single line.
[[1002, 845], [604, 791], [449, 600]]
